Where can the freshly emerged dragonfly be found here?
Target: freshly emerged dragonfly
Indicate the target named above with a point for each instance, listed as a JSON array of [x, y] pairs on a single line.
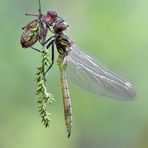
[[74, 63], [84, 71]]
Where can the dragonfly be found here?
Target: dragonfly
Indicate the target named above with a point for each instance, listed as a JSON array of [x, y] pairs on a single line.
[[85, 71], [75, 64]]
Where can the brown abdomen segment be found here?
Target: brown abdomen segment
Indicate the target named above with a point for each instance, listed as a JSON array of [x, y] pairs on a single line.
[[30, 34]]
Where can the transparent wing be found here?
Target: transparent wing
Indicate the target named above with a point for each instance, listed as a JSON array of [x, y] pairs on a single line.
[[89, 74]]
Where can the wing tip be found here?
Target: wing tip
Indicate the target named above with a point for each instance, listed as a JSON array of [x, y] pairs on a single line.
[[131, 93]]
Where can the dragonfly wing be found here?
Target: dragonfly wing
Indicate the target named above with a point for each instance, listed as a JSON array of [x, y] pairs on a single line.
[[89, 74]]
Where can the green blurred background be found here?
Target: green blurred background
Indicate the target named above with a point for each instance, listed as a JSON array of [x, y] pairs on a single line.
[[116, 32]]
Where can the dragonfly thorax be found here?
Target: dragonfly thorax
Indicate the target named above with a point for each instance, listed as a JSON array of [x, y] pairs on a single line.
[[62, 43]]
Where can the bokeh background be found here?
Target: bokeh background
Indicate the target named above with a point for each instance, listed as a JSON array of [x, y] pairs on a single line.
[[116, 33]]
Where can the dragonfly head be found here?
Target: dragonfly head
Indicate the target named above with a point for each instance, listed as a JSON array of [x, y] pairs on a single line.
[[60, 26]]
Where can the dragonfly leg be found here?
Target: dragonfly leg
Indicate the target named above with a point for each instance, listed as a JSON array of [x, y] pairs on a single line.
[[50, 43], [35, 49], [52, 55], [47, 41]]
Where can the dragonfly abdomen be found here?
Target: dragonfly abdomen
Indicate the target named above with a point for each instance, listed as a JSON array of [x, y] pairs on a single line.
[[67, 103]]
